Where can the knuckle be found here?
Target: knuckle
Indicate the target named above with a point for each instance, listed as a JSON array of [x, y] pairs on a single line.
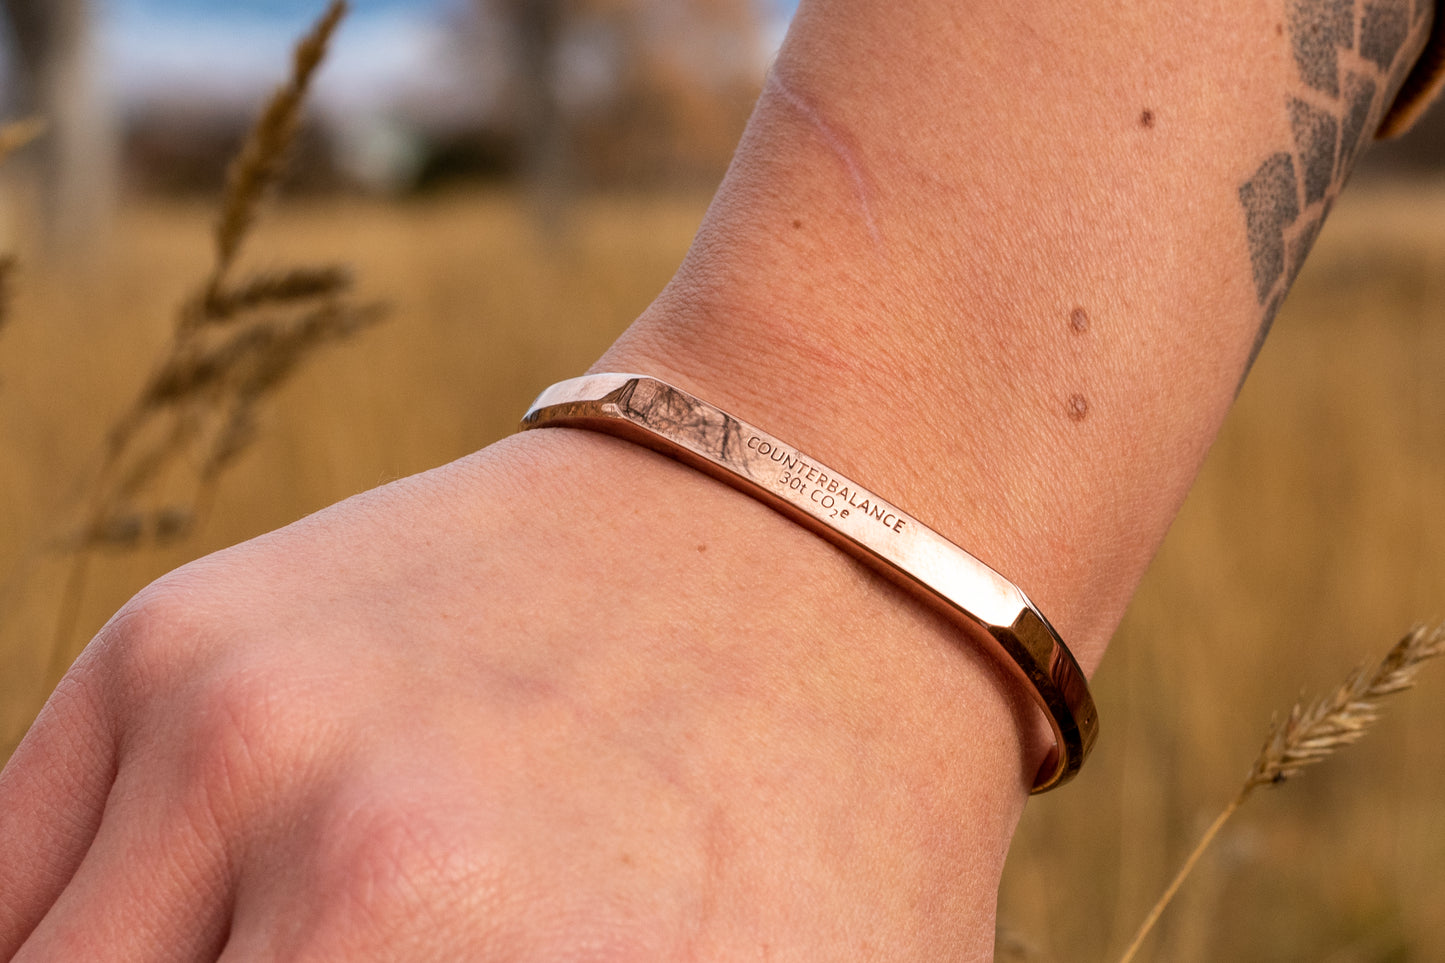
[[237, 724], [153, 638], [248, 737], [393, 855], [395, 873], [231, 711], [398, 873]]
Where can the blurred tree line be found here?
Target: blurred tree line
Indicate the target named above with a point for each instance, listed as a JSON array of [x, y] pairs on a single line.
[[565, 94], [52, 76], [569, 94], [622, 91]]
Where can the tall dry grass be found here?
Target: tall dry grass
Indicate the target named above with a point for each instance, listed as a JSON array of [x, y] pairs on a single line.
[[7, 270], [13, 136], [234, 343], [1307, 735]]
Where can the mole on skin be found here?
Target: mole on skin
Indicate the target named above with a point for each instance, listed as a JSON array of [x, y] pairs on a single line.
[[1078, 407], [797, 224], [1079, 320], [1146, 118]]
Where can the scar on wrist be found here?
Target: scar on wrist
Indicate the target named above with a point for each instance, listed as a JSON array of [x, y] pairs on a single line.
[[838, 143]]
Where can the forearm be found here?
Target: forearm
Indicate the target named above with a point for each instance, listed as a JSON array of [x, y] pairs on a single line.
[[1008, 263]]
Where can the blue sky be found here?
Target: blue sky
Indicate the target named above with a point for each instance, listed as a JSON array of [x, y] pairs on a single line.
[[158, 49], [299, 10], [262, 8], [230, 48]]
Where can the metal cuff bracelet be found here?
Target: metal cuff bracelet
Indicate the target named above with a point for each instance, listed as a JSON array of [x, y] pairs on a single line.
[[991, 610]]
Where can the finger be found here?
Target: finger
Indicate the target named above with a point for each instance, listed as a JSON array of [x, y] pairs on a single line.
[[153, 886], [52, 795]]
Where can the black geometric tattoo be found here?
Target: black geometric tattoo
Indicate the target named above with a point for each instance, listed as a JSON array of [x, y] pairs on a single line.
[[1271, 204], [1359, 100], [1352, 56], [1316, 132], [1383, 30], [1317, 32]]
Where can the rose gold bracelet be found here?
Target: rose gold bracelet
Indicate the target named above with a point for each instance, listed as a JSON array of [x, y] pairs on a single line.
[[990, 609]]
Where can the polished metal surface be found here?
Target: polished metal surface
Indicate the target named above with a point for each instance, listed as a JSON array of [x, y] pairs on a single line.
[[988, 607]]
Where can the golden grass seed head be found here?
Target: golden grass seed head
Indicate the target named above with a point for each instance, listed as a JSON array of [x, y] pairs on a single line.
[[269, 289], [262, 158], [1312, 732]]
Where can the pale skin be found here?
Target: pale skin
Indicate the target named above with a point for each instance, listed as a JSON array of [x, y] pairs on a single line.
[[566, 699]]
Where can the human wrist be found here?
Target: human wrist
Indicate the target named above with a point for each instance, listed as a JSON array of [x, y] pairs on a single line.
[[874, 415], [798, 628], [989, 612], [796, 683], [827, 416]]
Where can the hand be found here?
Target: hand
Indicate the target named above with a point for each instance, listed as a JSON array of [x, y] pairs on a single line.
[[561, 700]]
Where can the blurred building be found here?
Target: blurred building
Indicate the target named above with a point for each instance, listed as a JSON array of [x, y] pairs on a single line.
[[620, 91]]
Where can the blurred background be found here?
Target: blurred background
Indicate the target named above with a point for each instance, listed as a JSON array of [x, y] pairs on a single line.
[[514, 180], [152, 96]]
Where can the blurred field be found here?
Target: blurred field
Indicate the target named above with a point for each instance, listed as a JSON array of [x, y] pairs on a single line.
[[1314, 538]]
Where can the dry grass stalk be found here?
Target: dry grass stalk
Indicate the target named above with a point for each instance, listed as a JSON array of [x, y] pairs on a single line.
[[1009, 946], [13, 136], [18, 133], [234, 344], [266, 289], [1309, 734], [262, 159], [7, 271]]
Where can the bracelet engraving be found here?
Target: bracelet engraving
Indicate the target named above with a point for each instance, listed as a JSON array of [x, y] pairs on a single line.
[[835, 498], [992, 611]]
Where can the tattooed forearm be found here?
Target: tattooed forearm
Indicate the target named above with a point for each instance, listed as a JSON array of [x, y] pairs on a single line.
[[1352, 57]]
